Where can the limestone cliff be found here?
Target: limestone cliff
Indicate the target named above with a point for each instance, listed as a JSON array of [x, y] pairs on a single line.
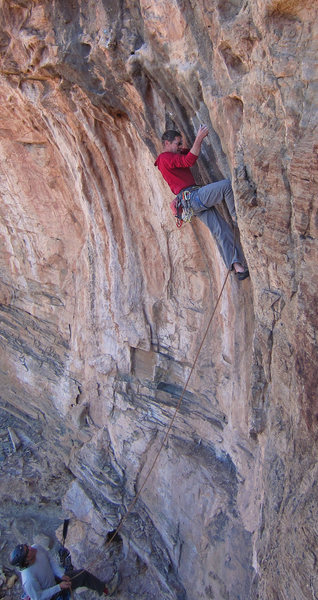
[[104, 302]]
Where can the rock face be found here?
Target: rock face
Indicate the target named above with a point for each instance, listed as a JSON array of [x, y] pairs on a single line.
[[104, 303]]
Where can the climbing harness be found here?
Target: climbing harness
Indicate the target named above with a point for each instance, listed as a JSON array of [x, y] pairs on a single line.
[[187, 211], [181, 206]]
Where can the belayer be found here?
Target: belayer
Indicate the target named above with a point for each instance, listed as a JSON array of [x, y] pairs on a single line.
[[192, 200], [43, 579]]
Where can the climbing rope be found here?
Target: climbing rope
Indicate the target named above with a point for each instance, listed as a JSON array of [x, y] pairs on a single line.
[[133, 502]]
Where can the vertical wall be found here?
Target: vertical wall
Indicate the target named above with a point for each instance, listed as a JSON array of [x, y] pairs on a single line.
[[104, 302]]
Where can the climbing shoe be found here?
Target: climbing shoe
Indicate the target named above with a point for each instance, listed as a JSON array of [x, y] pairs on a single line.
[[243, 275]]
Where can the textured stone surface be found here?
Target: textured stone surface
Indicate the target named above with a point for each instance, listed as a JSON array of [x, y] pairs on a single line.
[[104, 302]]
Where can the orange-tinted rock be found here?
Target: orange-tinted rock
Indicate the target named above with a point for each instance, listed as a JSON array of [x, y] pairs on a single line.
[[104, 302]]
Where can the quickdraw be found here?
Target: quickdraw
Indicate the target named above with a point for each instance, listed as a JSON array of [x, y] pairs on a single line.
[[182, 208], [187, 212]]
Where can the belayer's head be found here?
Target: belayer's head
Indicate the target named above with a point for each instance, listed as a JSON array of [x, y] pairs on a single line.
[[172, 141], [23, 556]]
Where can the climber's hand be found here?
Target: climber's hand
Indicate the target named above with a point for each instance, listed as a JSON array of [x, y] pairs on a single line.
[[203, 131], [65, 585]]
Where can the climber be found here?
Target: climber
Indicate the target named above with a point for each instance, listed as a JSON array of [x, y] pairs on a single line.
[[43, 579], [192, 200]]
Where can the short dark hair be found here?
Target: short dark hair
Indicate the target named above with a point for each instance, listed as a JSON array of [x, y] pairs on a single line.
[[18, 556], [170, 134]]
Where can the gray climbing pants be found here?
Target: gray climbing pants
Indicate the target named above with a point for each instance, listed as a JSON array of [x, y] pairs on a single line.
[[203, 202]]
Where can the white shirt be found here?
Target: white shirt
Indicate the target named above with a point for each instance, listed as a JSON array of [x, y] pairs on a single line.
[[38, 580]]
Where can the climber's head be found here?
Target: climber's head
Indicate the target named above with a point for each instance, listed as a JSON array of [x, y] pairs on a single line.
[[23, 556], [172, 141]]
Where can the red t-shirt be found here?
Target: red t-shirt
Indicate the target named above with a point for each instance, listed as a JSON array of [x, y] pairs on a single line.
[[175, 169]]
